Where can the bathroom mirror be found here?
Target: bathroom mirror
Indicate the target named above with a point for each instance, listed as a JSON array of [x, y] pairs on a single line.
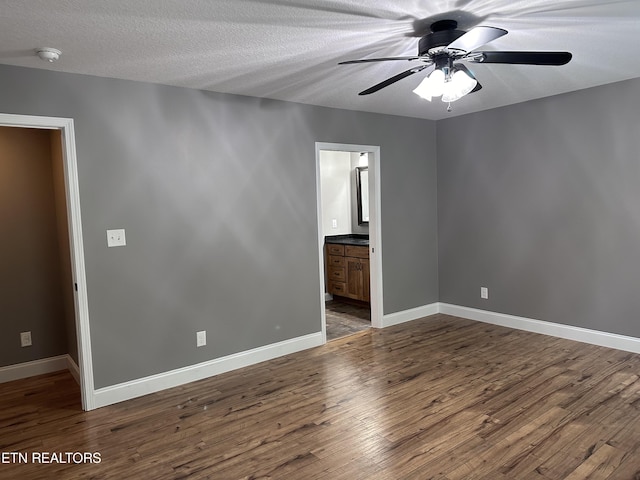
[[362, 188]]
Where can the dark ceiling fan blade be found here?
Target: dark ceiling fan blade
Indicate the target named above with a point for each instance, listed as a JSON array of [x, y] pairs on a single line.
[[522, 58], [476, 37], [394, 79], [385, 59], [463, 67]]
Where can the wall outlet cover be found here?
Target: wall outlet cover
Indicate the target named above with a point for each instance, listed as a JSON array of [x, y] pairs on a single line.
[[25, 339], [201, 338], [116, 238], [484, 293]]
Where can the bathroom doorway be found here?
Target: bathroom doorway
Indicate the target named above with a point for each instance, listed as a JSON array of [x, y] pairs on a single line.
[[348, 205]]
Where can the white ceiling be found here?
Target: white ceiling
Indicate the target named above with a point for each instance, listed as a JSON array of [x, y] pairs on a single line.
[[289, 49]]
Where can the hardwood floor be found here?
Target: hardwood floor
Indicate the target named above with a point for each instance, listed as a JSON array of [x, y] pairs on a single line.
[[346, 318], [438, 398]]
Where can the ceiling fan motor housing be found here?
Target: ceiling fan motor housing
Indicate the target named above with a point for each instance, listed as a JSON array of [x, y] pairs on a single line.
[[443, 33]]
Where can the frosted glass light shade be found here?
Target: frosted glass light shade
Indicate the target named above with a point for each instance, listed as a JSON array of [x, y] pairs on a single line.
[[431, 86], [459, 85], [434, 85]]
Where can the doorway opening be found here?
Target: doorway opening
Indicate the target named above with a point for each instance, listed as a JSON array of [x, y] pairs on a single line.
[[67, 235], [348, 206]]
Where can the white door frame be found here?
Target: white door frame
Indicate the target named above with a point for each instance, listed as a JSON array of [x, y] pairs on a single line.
[[375, 232], [65, 126]]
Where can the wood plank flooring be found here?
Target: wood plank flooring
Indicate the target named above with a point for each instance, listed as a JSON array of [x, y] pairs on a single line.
[[438, 398]]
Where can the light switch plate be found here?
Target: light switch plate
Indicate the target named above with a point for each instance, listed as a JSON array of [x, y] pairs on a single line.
[[116, 238]]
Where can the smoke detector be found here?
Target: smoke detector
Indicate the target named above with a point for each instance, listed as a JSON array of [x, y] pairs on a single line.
[[48, 54]]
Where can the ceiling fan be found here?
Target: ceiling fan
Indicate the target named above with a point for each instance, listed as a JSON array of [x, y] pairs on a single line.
[[444, 48]]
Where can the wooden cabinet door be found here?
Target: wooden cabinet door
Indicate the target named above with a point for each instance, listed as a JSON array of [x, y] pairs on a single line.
[[354, 278], [358, 279], [366, 287]]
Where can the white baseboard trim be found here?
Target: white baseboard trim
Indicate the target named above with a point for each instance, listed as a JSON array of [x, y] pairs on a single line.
[[73, 368], [579, 334], [33, 368], [154, 383], [408, 315]]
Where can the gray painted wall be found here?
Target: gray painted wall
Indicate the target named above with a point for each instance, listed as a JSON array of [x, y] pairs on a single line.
[[30, 274], [540, 202], [217, 196]]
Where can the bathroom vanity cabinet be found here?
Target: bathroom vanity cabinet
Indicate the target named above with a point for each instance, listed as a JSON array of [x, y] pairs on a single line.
[[348, 270]]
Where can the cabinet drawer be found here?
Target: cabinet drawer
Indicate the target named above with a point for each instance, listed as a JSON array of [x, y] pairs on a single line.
[[336, 261], [337, 274], [356, 251], [335, 249], [337, 288]]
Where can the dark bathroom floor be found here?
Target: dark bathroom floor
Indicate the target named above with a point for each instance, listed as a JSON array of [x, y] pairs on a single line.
[[345, 318]]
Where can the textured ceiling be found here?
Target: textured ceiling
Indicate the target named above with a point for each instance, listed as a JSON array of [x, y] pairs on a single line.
[[289, 49]]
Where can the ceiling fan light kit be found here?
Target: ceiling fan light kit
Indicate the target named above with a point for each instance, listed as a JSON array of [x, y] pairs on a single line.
[[444, 48], [449, 82]]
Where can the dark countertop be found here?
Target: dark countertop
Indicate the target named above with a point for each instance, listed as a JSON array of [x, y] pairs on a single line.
[[349, 239]]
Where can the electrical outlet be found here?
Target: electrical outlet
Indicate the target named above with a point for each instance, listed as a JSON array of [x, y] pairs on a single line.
[[334, 223], [25, 339], [201, 338], [484, 293], [116, 238]]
